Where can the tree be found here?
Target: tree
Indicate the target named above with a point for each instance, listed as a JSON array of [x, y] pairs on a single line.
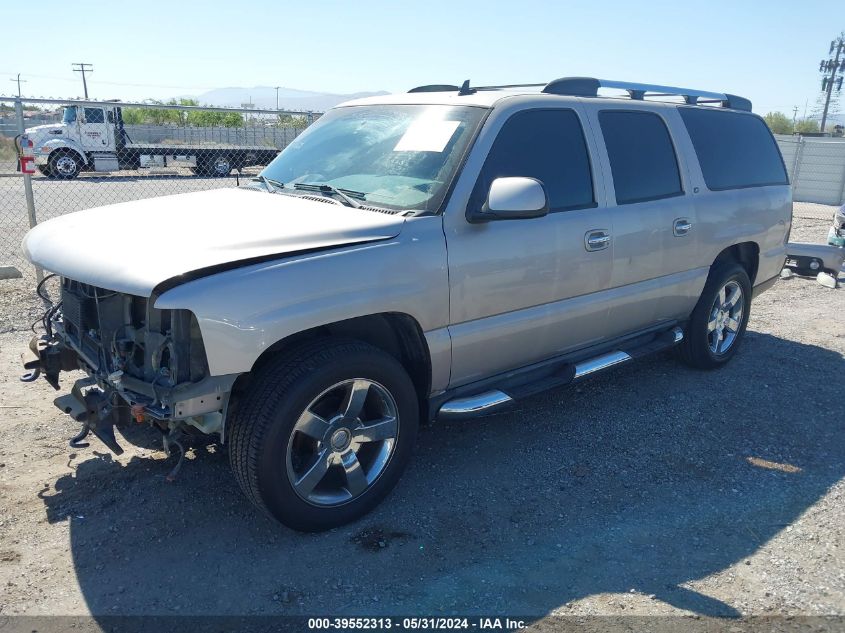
[[778, 123], [807, 125], [291, 121], [202, 118]]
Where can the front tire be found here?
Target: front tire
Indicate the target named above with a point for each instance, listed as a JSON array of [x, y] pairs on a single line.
[[322, 434], [718, 322], [64, 165]]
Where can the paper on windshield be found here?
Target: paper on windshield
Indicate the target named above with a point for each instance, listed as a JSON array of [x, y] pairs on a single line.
[[427, 135]]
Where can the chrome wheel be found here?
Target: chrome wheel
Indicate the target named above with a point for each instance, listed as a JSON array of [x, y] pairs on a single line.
[[342, 442], [725, 318], [65, 166]]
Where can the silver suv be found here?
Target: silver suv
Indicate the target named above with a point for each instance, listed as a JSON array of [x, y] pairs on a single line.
[[435, 254]]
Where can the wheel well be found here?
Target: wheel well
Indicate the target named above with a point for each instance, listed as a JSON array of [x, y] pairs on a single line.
[[69, 150], [395, 333], [746, 254]]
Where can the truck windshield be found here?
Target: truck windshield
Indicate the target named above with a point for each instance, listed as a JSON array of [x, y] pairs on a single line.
[[69, 115], [400, 157]]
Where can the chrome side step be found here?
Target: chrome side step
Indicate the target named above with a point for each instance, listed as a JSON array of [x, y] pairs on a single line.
[[486, 402], [474, 405], [599, 363]]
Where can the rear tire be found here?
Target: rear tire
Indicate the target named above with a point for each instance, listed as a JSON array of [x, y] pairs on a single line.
[[718, 322], [215, 167], [322, 434]]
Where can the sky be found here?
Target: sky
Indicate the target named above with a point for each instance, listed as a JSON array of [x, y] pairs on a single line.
[[766, 51]]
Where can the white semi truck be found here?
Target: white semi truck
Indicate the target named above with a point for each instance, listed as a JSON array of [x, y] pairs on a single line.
[[94, 138]]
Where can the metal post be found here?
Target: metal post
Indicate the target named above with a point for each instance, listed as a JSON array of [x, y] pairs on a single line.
[[27, 185], [795, 163]]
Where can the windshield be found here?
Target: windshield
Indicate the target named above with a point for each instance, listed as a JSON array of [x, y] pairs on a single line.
[[395, 156], [70, 115]]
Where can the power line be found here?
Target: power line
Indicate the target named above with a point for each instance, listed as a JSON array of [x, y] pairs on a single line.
[[82, 69]]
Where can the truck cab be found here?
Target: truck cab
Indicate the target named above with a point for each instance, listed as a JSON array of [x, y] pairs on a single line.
[[92, 127], [88, 137]]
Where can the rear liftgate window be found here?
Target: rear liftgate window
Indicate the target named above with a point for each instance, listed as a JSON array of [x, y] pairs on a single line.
[[734, 150], [642, 157]]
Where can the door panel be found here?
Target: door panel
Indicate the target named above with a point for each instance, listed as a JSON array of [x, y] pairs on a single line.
[[525, 290], [654, 220], [95, 133]]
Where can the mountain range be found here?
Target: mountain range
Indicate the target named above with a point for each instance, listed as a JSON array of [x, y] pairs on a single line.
[[289, 98]]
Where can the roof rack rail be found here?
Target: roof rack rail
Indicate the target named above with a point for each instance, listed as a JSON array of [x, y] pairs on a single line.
[[589, 86], [436, 88], [463, 89]]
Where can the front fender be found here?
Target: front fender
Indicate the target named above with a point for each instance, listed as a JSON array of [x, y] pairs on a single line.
[[244, 311], [56, 143]]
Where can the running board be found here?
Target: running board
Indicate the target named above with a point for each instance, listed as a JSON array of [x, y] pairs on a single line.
[[493, 400], [473, 406]]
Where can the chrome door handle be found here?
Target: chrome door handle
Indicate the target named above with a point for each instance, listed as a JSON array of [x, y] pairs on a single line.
[[596, 240], [681, 227]]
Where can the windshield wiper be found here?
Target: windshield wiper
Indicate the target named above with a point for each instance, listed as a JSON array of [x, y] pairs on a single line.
[[270, 183], [343, 194]]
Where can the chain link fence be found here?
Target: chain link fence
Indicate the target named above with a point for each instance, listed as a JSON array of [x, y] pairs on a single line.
[[91, 154]]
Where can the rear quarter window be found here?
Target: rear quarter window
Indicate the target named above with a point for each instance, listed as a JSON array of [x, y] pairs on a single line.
[[734, 150]]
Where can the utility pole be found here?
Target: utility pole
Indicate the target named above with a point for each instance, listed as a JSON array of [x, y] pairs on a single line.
[[794, 117], [277, 96], [830, 67], [83, 68], [19, 81]]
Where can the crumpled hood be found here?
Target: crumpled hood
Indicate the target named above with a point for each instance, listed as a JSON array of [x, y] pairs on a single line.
[[134, 246]]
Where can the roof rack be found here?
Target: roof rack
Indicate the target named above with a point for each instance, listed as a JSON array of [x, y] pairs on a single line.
[[589, 86]]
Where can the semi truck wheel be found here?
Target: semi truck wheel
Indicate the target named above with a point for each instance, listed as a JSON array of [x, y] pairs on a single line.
[[65, 165], [323, 434], [215, 167]]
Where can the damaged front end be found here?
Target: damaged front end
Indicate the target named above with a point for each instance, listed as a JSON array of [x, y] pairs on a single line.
[[142, 364]]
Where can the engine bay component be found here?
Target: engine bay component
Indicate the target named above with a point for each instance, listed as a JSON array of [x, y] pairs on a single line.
[[89, 404]]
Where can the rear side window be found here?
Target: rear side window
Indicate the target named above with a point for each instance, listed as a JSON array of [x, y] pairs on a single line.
[[734, 150], [642, 157], [547, 145]]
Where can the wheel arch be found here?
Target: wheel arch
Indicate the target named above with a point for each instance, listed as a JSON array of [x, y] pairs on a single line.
[[397, 333], [64, 146], [746, 254]]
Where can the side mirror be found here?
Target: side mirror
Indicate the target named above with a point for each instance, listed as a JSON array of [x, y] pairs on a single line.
[[513, 198]]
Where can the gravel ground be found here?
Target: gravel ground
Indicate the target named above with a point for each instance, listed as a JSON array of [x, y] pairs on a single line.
[[649, 490]]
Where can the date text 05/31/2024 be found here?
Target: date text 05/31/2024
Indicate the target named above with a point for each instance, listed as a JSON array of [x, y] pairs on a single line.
[[420, 623]]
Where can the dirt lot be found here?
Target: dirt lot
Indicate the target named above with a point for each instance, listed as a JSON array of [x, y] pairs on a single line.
[[653, 489]]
